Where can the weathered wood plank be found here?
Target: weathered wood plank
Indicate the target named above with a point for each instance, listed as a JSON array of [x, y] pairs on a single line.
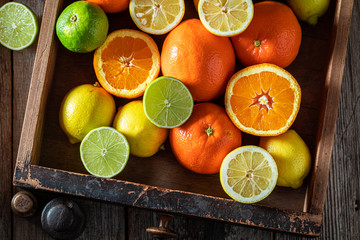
[[104, 221], [23, 61], [341, 220], [190, 227], [6, 90]]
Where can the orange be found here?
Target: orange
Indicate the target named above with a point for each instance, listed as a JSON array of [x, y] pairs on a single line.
[[202, 143], [202, 61], [112, 6], [127, 62], [263, 99], [273, 36]]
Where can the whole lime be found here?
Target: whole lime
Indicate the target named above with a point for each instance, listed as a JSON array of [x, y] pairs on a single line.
[[85, 108], [82, 27], [309, 10]]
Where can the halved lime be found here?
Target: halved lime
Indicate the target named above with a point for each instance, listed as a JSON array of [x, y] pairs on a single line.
[[248, 174], [18, 26], [104, 152], [167, 102]]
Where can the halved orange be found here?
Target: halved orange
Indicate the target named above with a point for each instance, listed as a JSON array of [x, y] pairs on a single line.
[[127, 62], [263, 99]]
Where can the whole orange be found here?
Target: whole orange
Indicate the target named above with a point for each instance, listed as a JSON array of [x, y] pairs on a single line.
[[202, 143], [202, 61], [112, 6], [273, 36]]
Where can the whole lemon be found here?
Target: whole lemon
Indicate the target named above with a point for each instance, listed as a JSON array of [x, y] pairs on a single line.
[[292, 157], [85, 108], [144, 138], [309, 10]]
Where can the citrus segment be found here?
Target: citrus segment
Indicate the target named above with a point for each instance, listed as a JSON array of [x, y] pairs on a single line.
[[157, 16], [226, 18], [263, 99], [167, 102], [18, 26], [127, 62], [248, 174], [104, 152]]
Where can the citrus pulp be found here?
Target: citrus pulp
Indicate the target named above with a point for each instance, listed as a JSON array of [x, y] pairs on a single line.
[[248, 174], [104, 152], [18, 26]]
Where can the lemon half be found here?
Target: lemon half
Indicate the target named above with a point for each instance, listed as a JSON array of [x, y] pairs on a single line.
[[226, 18], [248, 174]]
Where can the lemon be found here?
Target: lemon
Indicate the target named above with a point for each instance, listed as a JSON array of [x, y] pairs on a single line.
[[292, 157], [225, 18], [248, 174], [157, 16], [309, 10], [145, 139], [85, 108], [82, 27]]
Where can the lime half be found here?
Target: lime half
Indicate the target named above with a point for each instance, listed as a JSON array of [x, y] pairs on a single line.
[[104, 152], [18, 26], [167, 102], [248, 174]]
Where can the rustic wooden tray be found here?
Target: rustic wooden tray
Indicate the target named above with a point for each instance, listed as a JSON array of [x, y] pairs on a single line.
[[47, 161]]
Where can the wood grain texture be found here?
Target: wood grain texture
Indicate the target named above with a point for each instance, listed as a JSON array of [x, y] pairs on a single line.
[[102, 220], [328, 115], [341, 220], [344, 187], [6, 89], [189, 228], [23, 62]]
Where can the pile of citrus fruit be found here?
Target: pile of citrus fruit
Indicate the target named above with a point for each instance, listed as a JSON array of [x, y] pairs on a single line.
[[190, 91]]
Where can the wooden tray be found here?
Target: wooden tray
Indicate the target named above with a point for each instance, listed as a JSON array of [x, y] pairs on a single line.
[[47, 161]]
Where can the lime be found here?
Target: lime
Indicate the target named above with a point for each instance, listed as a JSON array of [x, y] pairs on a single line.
[[18, 26], [104, 152], [82, 27], [248, 174], [292, 157], [167, 102], [85, 108]]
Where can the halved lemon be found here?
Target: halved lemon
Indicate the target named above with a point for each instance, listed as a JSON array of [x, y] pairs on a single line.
[[248, 174], [226, 17], [157, 16]]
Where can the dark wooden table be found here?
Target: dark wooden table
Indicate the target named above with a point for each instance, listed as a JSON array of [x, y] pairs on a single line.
[[111, 221]]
